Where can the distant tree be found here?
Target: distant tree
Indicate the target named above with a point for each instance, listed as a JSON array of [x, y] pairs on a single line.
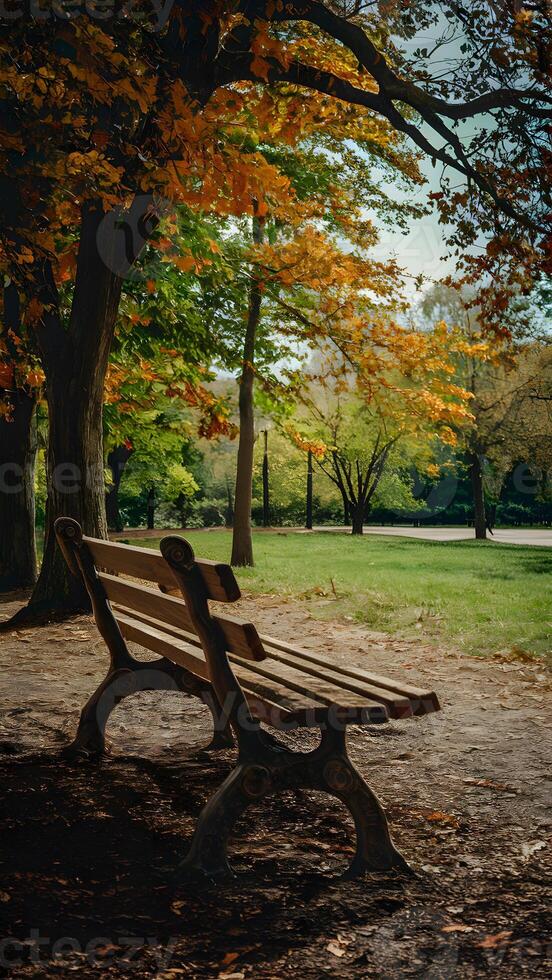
[[360, 416], [506, 382]]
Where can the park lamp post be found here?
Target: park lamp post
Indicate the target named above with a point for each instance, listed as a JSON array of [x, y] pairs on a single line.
[[263, 425]]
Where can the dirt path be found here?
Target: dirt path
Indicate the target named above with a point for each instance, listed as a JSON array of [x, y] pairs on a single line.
[[89, 848]]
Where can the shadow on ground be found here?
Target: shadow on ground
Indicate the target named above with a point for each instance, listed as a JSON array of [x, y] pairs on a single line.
[[89, 871]]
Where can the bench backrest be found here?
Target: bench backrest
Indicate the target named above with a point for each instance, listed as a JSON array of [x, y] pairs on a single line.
[[241, 637], [107, 558], [145, 563]]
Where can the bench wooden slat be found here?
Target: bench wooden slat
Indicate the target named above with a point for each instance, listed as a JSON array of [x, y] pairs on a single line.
[[145, 563], [241, 637], [191, 658], [291, 712], [281, 703], [274, 646], [398, 705], [312, 704], [330, 690]]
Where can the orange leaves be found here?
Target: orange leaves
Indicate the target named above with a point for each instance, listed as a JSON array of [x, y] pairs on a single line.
[[7, 375], [12, 377], [189, 263], [184, 262], [315, 446], [35, 378], [260, 67], [24, 255], [66, 265], [33, 311], [265, 46]]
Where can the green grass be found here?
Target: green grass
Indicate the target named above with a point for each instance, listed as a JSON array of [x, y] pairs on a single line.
[[477, 597]]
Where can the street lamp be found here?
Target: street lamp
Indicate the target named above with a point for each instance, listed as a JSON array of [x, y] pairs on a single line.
[[263, 426]]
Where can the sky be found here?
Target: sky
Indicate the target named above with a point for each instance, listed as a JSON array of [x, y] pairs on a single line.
[[422, 250]]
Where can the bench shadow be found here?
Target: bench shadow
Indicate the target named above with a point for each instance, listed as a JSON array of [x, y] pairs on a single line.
[[90, 851]]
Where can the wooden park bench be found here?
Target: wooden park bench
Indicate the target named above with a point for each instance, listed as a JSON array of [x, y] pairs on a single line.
[[248, 680]]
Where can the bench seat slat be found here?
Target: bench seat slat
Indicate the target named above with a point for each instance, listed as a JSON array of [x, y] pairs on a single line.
[[145, 563], [307, 708], [398, 705], [355, 679], [241, 637], [313, 705], [329, 689], [191, 659]]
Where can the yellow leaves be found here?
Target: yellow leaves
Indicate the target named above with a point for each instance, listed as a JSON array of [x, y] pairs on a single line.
[[447, 436], [93, 164], [315, 446]]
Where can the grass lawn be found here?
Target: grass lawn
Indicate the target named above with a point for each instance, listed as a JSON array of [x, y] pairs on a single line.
[[474, 596]]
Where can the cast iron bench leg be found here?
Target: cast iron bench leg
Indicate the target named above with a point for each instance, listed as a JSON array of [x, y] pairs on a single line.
[[135, 676], [222, 732], [270, 769]]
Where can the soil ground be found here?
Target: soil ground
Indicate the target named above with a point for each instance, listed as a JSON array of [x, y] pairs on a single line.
[[90, 851]]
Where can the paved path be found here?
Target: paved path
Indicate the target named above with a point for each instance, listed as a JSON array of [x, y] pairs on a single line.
[[534, 536]]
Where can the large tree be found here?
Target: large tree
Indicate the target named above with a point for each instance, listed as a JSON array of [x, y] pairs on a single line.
[[101, 112], [20, 383]]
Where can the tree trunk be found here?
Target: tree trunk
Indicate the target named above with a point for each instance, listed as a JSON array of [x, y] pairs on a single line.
[[308, 521], [150, 509], [116, 460], [357, 515], [346, 511], [476, 475], [75, 362], [242, 541], [229, 516], [17, 500]]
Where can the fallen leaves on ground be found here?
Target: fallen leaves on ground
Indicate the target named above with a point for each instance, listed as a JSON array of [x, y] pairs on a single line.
[[498, 939]]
